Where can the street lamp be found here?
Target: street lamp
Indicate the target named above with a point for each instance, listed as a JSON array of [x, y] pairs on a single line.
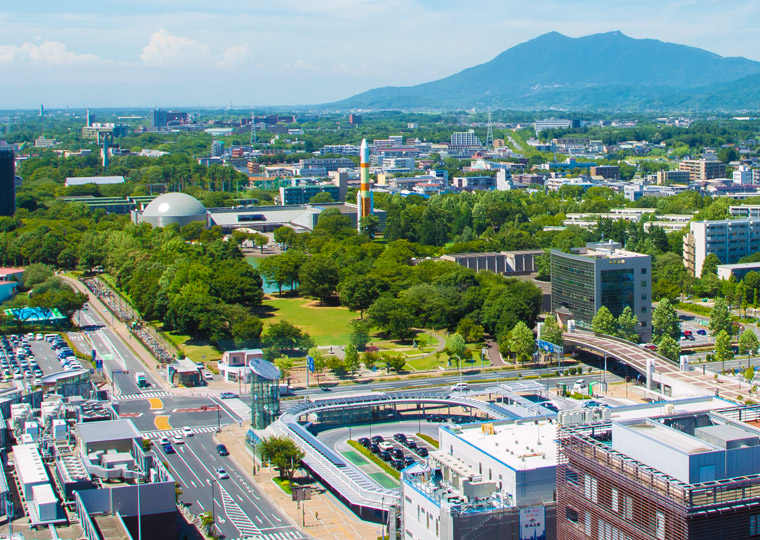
[[213, 504], [459, 363]]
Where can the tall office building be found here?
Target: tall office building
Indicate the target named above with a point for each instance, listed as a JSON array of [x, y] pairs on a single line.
[[729, 239], [7, 181], [465, 138], [603, 274]]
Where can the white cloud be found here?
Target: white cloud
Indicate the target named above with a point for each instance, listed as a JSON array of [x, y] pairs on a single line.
[[48, 53], [303, 65], [167, 50], [235, 56]]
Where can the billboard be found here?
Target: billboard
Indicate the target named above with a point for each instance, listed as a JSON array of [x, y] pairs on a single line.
[[533, 523]]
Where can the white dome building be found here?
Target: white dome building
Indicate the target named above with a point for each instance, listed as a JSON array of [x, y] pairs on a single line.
[[172, 208]]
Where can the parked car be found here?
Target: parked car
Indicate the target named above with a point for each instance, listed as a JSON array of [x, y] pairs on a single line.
[[398, 464], [410, 444], [422, 452], [385, 455], [365, 442], [377, 439], [222, 450], [409, 460], [385, 445], [398, 453], [208, 375], [702, 332], [374, 448], [399, 437]]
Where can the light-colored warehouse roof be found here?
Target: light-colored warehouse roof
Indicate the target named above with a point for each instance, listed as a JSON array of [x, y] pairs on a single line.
[[82, 180], [109, 430], [29, 465]]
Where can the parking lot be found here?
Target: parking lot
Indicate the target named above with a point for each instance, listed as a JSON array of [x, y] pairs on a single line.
[[29, 357], [399, 451], [699, 333]]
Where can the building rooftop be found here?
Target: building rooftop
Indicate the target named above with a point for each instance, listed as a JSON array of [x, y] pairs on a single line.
[[82, 180], [174, 205], [519, 445], [265, 370], [110, 430]]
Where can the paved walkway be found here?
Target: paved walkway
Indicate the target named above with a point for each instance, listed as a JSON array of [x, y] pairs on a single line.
[[325, 517], [120, 328]]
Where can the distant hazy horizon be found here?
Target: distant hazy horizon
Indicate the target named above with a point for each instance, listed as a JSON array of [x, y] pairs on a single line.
[[298, 52]]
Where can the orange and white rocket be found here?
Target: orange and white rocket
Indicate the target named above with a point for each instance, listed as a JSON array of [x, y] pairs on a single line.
[[365, 202]]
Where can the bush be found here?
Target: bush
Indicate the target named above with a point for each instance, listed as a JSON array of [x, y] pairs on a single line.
[[374, 459], [428, 439]]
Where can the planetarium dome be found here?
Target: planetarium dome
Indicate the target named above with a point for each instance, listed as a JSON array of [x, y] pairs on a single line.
[[173, 208]]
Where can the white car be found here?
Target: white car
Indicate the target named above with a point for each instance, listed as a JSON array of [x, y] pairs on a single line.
[[460, 387], [208, 375], [187, 432], [178, 440], [164, 440], [221, 474]]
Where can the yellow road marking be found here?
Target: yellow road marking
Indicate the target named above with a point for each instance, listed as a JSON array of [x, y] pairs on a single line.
[[156, 403], [162, 423]]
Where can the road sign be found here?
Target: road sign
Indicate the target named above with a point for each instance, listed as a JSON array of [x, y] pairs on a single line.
[[94, 353], [549, 347], [98, 364], [310, 363]]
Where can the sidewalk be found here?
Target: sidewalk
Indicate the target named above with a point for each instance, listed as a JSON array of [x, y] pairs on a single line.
[[326, 518], [147, 359]]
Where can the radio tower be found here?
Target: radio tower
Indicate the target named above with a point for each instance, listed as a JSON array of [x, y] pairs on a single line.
[[253, 129], [489, 133]]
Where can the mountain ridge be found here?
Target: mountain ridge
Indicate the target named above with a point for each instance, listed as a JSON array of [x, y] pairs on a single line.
[[608, 70]]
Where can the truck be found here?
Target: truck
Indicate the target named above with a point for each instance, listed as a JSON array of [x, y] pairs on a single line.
[[141, 380], [286, 390]]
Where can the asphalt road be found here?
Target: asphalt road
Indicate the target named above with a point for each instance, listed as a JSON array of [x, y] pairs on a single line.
[[241, 509]]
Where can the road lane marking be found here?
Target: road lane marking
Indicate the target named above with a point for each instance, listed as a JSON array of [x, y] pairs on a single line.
[[155, 403], [162, 423]]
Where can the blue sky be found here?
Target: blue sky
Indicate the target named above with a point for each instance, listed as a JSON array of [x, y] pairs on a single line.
[[285, 52]]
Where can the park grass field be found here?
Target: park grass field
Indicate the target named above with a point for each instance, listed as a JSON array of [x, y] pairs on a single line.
[[327, 325]]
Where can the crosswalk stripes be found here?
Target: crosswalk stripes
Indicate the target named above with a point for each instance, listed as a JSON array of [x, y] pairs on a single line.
[[177, 432], [239, 518], [142, 395], [289, 535]]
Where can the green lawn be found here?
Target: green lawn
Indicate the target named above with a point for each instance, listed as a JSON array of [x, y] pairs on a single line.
[[194, 349], [327, 325]]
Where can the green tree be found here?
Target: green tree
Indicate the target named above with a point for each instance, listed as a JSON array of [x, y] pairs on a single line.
[[470, 331], [395, 362], [710, 265], [369, 225], [284, 336], [370, 359], [723, 348], [35, 274], [352, 358], [720, 318], [320, 362], [319, 277], [665, 321], [748, 344], [357, 293], [283, 453], [323, 197], [521, 341], [669, 348], [551, 331], [247, 330], [456, 346], [360, 333], [604, 323], [285, 365], [627, 325]]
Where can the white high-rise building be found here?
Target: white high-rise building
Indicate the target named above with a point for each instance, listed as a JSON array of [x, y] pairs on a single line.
[[729, 239], [465, 138]]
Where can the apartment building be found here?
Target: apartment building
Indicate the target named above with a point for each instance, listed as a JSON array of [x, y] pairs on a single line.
[[673, 177], [729, 239], [702, 169], [603, 274], [608, 172], [465, 139]]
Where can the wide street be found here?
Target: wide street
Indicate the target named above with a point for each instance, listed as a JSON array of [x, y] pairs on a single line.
[[240, 507]]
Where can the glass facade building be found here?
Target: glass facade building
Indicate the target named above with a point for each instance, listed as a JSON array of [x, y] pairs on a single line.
[[7, 181], [265, 393], [602, 275]]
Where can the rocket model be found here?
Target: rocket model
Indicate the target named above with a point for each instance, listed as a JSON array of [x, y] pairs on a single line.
[[365, 203]]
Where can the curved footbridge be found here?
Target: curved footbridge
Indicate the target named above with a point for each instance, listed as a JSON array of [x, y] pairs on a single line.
[[363, 495], [673, 381]]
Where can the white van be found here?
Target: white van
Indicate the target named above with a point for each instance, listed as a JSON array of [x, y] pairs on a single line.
[[580, 386], [460, 387]]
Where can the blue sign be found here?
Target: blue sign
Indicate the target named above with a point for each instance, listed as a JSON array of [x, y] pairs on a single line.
[[549, 347], [94, 353], [98, 364], [310, 363]]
